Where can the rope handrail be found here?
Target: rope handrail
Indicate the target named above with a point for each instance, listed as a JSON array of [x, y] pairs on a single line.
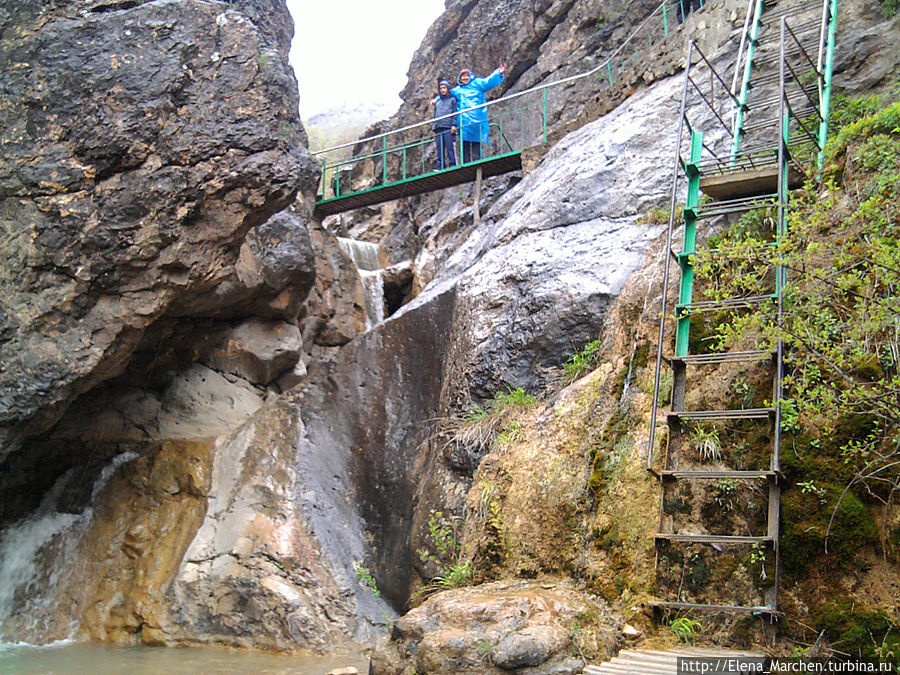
[[508, 97]]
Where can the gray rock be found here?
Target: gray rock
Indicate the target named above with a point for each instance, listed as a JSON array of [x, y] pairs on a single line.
[[335, 311], [535, 278], [271, 277], [526, 648], [257, 350]]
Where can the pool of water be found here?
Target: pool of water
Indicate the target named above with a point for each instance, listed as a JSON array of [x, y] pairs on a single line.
[[96, 658]]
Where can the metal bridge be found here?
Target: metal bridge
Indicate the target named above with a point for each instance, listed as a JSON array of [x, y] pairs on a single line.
[[778, 102], [398, 163]]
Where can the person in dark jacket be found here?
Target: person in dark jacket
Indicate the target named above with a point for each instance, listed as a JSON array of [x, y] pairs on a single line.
[[445, 129], [473, 125]]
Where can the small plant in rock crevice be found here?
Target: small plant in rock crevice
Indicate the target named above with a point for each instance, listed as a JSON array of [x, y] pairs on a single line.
[[725, 493], [706, 442], [447, 549], [365, 578], [686, 629], [479, 426]]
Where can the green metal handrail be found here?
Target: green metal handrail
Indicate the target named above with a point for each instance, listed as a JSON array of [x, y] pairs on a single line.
[[407, 154]]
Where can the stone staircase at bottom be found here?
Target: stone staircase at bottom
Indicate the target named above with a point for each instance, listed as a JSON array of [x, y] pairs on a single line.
[[653, 662]]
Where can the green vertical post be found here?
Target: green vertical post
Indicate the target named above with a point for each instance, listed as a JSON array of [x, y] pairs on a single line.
[[384, 160], [545, 114], [609, 72], [324, 174], [665, 20], [827, 70], [745, 84], [404, 163], [337, 180], [686, 289]]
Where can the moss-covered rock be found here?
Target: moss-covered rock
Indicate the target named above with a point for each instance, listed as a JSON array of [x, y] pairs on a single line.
[[823, 512]]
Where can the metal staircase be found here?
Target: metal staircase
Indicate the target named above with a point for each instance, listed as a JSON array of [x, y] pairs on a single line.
[[778, 103]]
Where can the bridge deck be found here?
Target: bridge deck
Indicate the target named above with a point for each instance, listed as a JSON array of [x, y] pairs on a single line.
[[492, 166]]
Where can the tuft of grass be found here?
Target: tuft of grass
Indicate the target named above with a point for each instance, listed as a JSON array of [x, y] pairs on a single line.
[[513, 398], [686, 629], [583, 360], [707, 443], [456, 575]]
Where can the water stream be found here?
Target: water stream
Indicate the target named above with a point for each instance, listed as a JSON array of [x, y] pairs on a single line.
[[367, 258], [34, 550], [33, 554], [94, 658]]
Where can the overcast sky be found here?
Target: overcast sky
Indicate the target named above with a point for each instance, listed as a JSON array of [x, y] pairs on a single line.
[[349, 51]]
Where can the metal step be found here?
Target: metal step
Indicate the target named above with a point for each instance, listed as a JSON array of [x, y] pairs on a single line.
[[653, 661], [745, 189], [746, 413], [773, 122], [790, 9], [735, 609], [763, 157], [711, 539], [721, 207], [792, 95], [691, 474], [723, 357], [766, 79], [728, 303], [801, 27]]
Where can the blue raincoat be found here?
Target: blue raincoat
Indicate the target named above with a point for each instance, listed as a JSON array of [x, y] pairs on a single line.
[[473, 125]]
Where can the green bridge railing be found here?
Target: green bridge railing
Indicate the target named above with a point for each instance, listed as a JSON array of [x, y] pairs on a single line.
[[516, 121]]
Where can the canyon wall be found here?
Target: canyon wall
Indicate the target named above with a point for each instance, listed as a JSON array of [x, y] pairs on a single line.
[[197, 425]]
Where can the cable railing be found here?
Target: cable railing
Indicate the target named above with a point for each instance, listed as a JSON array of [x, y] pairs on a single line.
[[515, 122]]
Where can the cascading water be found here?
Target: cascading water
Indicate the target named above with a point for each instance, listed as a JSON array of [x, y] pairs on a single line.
[[34, 551], [367, 258]]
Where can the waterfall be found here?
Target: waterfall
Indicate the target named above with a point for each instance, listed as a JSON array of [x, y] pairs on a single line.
[[367, 258], [47, 533]]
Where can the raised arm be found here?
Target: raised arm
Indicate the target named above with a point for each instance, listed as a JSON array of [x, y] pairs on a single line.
[[493, 80]]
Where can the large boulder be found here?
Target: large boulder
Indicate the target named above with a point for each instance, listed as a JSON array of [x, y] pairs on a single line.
[[167, 130], [527, 627], [272, 276], [258, 350]]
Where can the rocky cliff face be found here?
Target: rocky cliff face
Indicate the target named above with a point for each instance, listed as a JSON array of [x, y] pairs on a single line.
[[141, 142], [150, 157], [154, 305]]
